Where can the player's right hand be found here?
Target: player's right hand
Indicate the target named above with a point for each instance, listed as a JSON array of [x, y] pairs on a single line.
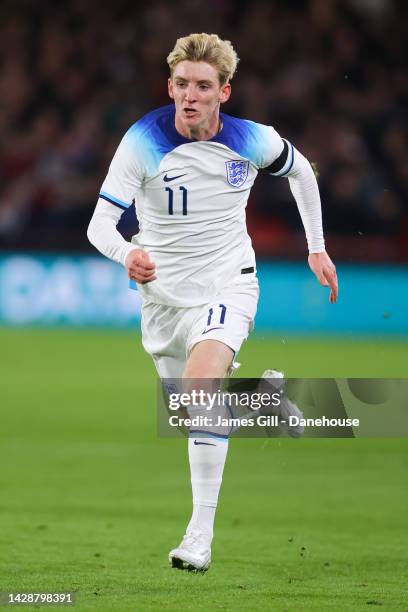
[[140, 267]]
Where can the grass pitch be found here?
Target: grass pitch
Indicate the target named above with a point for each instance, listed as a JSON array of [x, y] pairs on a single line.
[[92, 501]]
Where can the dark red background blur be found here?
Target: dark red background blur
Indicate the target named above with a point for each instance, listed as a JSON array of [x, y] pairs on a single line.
[[328, 75]]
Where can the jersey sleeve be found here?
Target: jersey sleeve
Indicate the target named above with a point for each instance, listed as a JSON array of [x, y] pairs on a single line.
[[271, 152], [125, 174]]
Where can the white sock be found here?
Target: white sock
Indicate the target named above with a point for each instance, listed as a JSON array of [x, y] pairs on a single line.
[[203, 519], [207, 458]]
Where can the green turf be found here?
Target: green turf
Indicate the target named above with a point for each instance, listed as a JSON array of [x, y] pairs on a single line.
[[91, 500]]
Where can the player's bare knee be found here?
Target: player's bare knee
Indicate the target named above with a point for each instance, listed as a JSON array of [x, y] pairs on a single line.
[[208, 359]]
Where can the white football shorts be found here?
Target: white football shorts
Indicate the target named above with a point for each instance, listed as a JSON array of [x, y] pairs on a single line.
[[169, 333]]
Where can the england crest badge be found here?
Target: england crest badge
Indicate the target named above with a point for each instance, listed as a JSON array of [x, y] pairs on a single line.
[[237, 172]]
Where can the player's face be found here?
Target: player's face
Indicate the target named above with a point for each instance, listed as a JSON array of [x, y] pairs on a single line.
[[197, 93]]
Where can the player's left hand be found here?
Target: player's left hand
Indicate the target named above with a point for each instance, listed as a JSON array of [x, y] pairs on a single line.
[[325, 272]]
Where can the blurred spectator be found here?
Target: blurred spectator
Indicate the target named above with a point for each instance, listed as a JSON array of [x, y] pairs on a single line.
[[328, 74]]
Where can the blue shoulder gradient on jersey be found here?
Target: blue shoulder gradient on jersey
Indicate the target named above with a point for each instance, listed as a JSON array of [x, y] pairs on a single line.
[[250, 140], [148, 140], [155, 135]]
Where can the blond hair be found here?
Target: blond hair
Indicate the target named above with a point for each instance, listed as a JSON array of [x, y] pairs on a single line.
[[205, 48]]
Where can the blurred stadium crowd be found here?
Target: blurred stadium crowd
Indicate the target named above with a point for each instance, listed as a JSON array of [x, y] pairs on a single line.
[[328, 74]]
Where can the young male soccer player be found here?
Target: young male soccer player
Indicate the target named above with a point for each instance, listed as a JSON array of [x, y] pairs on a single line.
[[189, 169]]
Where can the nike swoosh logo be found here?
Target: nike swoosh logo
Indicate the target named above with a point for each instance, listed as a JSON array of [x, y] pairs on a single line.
[[203, 443], [166, 178], [211, 329]]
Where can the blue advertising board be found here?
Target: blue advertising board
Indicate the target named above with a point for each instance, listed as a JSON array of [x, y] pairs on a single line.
[[64, 290], [372, 300]]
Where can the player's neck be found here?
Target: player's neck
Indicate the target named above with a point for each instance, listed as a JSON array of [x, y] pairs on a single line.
[[203, 132]]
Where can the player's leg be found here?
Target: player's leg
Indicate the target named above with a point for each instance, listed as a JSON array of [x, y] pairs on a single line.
[[215, 338], [209, 361], [165, 336]]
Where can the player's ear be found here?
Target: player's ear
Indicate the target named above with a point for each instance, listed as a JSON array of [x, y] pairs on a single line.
[[225, 92], [170, 88]]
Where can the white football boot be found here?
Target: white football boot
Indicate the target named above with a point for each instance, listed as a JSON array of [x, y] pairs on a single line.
[[194, 552], [286, 407]]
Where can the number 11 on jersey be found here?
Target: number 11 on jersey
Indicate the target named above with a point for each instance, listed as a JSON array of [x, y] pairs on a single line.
[[171, 199]]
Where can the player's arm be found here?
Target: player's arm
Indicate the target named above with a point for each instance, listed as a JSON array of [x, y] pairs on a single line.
[[117, 194], [303, 185], [104, 236]]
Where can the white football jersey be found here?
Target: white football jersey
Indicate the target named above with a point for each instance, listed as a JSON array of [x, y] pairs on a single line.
[[190, 199]]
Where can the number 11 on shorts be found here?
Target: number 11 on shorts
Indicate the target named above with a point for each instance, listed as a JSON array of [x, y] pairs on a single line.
[[222, 314]]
